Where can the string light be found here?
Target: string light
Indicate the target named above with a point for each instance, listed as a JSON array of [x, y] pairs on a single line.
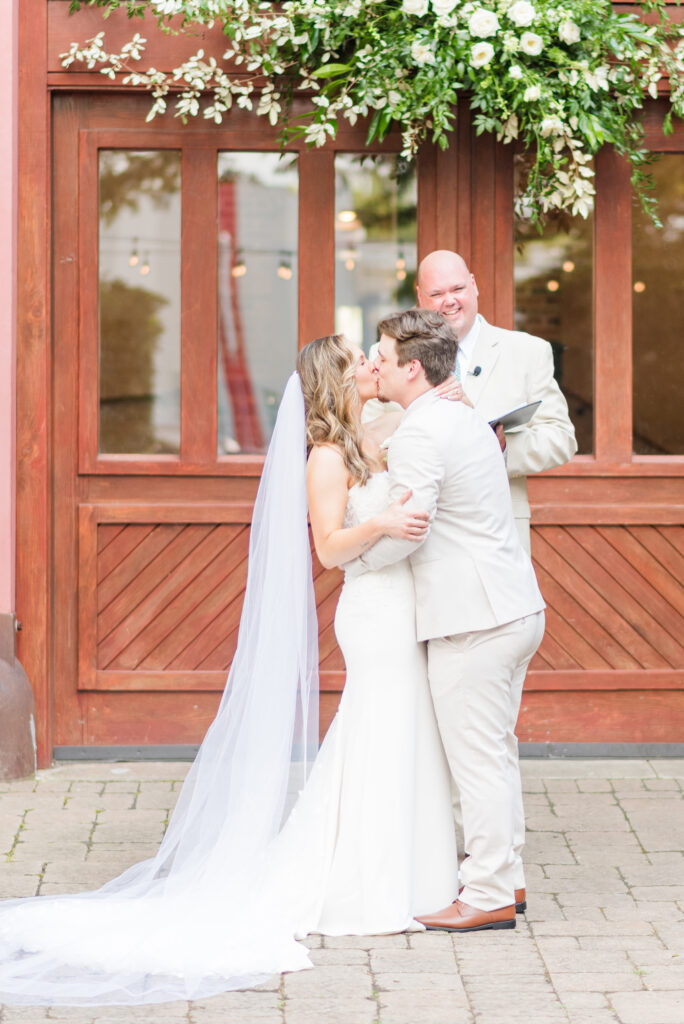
[[145, 268], [284, 270], [639, 287], [568, 266], [239, 268], [552, 285], [346, 216]]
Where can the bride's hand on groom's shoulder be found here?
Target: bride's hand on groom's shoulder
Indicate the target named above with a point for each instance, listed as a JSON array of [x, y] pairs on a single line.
[[402, 523], [452, 390]]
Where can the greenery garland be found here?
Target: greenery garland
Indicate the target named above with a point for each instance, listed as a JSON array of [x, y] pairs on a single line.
[[563, 78]]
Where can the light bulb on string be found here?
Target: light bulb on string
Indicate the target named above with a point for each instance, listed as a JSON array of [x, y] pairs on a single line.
[[145, 268], [239, 268], [284, 270]]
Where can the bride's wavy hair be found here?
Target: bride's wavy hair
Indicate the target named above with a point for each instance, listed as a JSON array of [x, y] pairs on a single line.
[[327, 372]]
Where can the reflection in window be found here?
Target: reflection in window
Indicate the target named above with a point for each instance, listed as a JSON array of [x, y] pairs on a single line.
[[553, 300], [257, 289], [375, 242], [139, 291], [658, 315]]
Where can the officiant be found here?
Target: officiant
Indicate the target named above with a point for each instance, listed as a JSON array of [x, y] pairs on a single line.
[[501, 370]]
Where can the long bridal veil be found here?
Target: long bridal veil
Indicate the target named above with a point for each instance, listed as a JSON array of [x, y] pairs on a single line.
[[190, 922]]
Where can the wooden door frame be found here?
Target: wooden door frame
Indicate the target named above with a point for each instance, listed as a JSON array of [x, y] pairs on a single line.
[[33, 577]]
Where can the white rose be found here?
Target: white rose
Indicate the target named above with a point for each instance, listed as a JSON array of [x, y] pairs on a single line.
[[422, 54], [417, 7], [481, 54], [515, 71], [443, 7], [522, 13], [531, 43], [550, 126], [483, 23], [568, 31], [532, 93]]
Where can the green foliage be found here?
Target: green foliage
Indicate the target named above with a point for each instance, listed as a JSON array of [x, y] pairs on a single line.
[[563, 78]]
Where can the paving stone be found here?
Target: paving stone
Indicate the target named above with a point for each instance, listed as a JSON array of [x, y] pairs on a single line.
[[330, 957], [395, 981], [367, 941], [342, 1011], [668, 768], [649, 1007], [423, 1007], [585, 1000], [257, 1007], [583, 981], [329, 981], [412, 961]]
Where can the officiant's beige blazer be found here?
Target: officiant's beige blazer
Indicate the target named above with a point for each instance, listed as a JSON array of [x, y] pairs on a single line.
[[471, 572], [517, 368]]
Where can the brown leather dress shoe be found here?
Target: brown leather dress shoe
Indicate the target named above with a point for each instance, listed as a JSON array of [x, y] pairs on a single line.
[[460, 917]]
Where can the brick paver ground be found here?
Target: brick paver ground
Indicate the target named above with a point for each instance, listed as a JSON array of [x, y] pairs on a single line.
[[602, 941]]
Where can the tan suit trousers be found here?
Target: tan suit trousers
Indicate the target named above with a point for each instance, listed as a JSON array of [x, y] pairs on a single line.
[[476, 680]]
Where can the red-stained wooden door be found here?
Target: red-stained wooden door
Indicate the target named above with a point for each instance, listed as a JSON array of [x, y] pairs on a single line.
[[153, 477]]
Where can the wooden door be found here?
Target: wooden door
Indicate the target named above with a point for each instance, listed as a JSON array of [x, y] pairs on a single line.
[[153, 483]]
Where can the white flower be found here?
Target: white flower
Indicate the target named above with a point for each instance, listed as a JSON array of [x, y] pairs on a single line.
[[509, 131], [483, 23], [550, 126], [481, 55], [568, 31], [532, 93], [531, 43], [515, 71], [417, 7], [353, 9], [597, 79], [394, 97], [521, 13], [167, 6], [422, 54], [443, 7]]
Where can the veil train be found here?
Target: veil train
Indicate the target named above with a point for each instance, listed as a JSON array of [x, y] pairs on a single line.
[[188, 923]]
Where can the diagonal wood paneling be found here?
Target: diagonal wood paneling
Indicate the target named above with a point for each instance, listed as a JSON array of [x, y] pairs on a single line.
[[615, 597]]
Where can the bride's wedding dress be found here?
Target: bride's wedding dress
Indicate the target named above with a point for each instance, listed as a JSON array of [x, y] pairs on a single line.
[[368, 845]]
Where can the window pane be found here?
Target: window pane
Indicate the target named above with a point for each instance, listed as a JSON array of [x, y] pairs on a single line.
[[658, 316], [553, 300], [139, 284], [257, 288], [375, 242]]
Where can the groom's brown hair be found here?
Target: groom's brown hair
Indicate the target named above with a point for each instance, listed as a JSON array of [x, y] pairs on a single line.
[[426, 336]]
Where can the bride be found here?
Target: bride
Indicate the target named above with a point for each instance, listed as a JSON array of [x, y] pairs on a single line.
[[369, 843]]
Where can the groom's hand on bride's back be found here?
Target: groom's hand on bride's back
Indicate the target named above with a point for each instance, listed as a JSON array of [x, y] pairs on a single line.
[[403, 523]]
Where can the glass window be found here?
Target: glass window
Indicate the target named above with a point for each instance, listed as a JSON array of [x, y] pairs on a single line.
[[139, 291], [375, 242], [554, 300], [257, 294], [658, 315]]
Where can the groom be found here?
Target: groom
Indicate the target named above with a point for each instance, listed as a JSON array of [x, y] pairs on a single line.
[[477, 604]]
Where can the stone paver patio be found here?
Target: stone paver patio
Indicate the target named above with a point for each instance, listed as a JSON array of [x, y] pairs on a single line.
[[602, 941]]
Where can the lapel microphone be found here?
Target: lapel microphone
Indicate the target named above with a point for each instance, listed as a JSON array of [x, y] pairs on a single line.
[[476, 372]]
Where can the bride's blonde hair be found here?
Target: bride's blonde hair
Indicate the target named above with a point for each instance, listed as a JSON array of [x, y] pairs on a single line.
[[327, 372]]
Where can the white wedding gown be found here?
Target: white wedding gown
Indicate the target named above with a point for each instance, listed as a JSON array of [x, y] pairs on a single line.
[[368, 845]]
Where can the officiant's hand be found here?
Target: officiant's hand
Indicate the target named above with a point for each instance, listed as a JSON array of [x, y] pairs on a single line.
[[397, 521], [452, 389], [500, 436]]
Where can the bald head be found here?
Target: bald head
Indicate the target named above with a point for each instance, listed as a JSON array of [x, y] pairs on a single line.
[[445, 284]]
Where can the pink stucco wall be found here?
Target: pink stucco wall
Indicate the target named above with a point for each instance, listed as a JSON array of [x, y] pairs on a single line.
[[8, 182]]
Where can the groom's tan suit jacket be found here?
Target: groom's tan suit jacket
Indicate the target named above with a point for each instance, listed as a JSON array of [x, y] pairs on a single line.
[[517, 368], [471, 572]]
